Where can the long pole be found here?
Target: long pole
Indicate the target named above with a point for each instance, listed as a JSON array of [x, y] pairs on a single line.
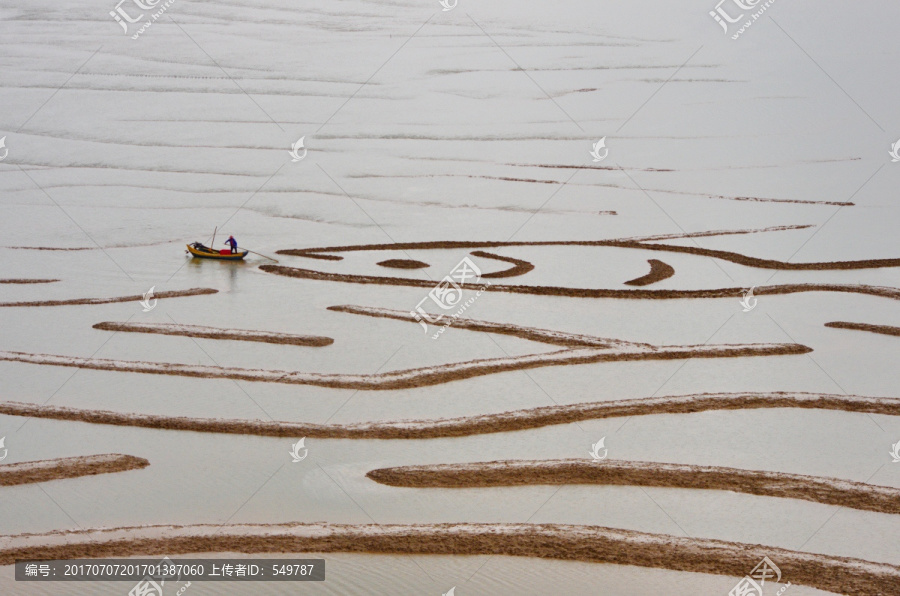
[[256, 253], [213, 243]]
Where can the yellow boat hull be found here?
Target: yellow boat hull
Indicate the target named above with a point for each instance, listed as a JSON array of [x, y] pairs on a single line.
[[214, 254]]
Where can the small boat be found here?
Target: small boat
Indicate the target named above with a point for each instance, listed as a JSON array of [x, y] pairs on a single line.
[[199, 251]]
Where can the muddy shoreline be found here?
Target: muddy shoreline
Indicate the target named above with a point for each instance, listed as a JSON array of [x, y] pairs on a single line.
[[68, 467]]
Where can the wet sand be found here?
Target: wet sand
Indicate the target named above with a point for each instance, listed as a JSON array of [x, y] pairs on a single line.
[[882, 329], [28, 281], [68, 467], [516, 420], [829, 491], [840, 575], [725, 255], [416, 377], [658, 272], [135, 298], [547, 336], [270, 337], [885, 292]]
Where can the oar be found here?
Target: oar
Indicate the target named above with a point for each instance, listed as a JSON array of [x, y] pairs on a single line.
[[256, 253], [213, 243]]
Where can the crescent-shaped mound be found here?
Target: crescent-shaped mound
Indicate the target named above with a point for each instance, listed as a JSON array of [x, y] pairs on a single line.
[[594, 544], [519, 267], [658, 272]]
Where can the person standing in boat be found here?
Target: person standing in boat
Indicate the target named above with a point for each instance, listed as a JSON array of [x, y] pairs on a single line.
[[232, 243]]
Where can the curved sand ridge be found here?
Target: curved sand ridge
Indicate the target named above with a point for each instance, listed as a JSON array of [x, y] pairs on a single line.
[[725, 255], [68, 467], [135, 298], [415, 377], [548, 336], [885, 292], [28, 281], [519, 267], [270, 337], [882, 329], [515, 420], [658, 272], [840, 575], [829, 491]]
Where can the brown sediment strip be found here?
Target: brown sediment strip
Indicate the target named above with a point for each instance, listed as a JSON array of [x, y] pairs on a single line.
[[658, 272], [547, 336], [321, 257], [28, 281], [885, 292], [270, 337], [416, 377], [515, 420], [48, 248], [595, 544], [519, 267], [135, 298], [725, 255], [68, 467], [403, 264], [829, 491], [883, 329]]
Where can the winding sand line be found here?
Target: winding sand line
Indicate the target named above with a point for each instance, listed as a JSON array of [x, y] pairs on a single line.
[[47, 248], [68, 467], [725, 255], [321, 257], [519, 267], [415, 377], [473, 425], [658, 272], [135, 298], [885, 292], [595, 544], [883, 329], [28, 281], [270, 337], [829, 491], [547, 336]]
